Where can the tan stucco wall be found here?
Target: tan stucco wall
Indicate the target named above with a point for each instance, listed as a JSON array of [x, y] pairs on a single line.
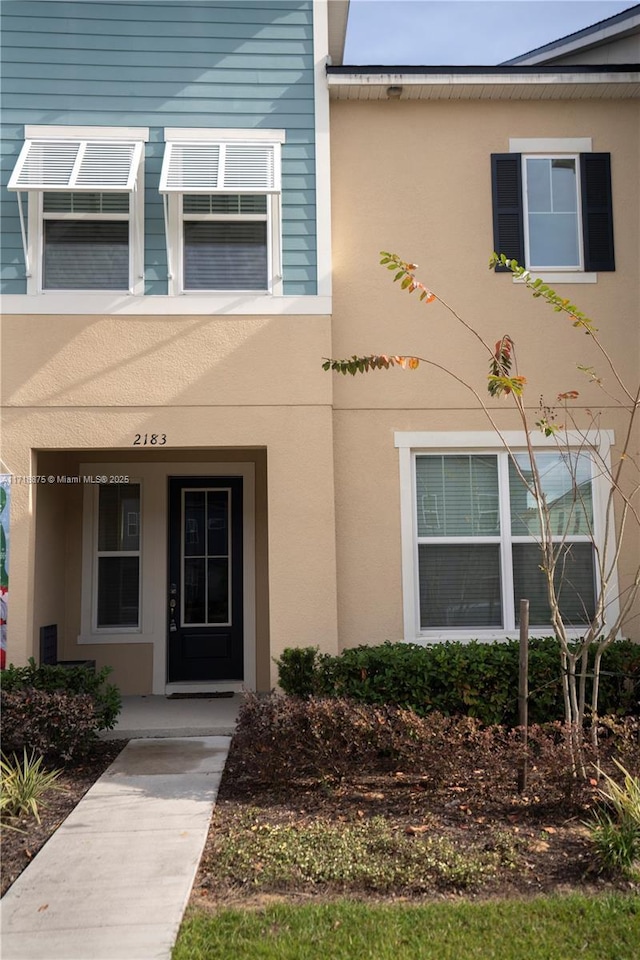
[[222, 390], [422, 189], [116, 362]]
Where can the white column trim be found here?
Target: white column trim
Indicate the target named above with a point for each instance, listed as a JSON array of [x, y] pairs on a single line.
[[322, 147]]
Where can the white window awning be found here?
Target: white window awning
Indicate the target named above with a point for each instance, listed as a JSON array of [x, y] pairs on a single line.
[[77, 165], [219, 167]]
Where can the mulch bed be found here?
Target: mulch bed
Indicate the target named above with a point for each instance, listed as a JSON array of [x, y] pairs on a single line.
[[553, 849], [17, 849]]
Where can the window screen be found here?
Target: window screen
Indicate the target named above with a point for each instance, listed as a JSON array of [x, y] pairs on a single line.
[[86, 255], [225, 255]]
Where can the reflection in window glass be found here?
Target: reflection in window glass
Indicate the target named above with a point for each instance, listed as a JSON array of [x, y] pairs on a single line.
[[570, 503], [552, 212], [119, 517]]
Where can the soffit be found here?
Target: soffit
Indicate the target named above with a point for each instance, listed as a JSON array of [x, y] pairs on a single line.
[[604, 85]]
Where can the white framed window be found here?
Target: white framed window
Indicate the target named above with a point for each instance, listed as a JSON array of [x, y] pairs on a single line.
[[117, 552], [553, 208], [470, 533], [552, 216], [222, 211], [84, 225]]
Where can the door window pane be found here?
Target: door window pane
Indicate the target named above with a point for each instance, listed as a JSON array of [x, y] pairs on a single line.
[[194, 590], [217, 523], [459, 585], [206, 557], [195, 543], [218, 591], [457, 496]]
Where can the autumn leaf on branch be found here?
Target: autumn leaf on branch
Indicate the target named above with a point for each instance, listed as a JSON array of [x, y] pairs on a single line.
[[569, 395], [381, 361], [405, 272]]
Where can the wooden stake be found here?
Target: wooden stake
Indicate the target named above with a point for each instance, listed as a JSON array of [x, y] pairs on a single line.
[[523, 693]]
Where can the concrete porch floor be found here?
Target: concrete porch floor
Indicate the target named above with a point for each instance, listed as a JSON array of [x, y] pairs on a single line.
[[159, 716]]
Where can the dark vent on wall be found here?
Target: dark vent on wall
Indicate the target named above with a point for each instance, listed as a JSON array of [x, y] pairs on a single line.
[[49, 644]]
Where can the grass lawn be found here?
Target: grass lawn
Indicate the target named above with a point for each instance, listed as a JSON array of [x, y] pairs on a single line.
[[554, 928]]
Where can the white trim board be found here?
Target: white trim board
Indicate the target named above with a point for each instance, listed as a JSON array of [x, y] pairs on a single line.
[[550, 145], [323, 147], [184, 305], [39, 131]]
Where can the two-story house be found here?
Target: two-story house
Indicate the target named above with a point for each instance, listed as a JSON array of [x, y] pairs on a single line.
[[194, 195]]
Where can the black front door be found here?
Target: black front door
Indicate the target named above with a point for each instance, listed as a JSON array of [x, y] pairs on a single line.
[[205, 607]]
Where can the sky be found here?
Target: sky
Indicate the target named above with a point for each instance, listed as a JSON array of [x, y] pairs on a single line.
[[473, 32]]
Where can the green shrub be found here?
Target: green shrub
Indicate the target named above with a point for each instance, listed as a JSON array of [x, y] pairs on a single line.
[[50, 723], [24, 783], [476, 679], [49, 678], [296, 670]]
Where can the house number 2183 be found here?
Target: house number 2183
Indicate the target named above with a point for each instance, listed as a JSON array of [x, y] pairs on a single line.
[[149, 440]]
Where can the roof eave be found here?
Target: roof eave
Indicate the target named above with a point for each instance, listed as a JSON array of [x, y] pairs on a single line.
[[373, 84]]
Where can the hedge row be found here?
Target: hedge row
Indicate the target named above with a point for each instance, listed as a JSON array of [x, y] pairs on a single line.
[[53, 724], [474, 679], [55, 711], [280, 739]]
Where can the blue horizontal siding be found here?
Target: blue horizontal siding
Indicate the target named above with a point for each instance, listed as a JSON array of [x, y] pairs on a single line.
[[30, 77], [242, 64], [152, 94], [179, 13], [176, 46], [65, 60]]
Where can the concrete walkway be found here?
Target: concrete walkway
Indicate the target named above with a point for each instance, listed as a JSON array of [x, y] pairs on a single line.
[[112, 883]]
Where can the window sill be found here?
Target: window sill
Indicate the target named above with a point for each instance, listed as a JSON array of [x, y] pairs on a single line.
[[558, 276], [124, 637], [192, 305], [484, 636]]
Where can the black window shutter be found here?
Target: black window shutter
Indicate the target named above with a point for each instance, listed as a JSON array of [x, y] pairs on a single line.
[[506, 186], [597, 216]]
